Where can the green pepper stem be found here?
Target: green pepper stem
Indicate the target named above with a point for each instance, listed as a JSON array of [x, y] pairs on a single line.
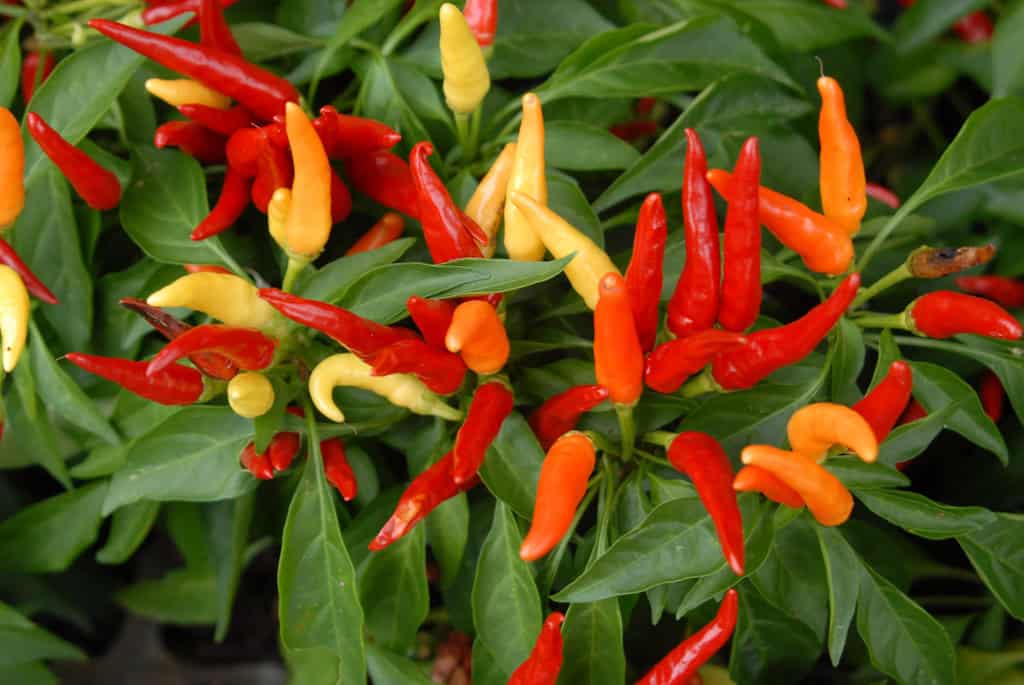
[[897, 275], [627, 426], [700, 385], [876, 320], [291, 274], [660, 438]]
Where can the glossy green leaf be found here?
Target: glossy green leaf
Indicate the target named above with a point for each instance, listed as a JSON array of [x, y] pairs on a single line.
[[567, 200], [842, 571], [181, 597], [575, 145], [10, 61], [847, 363], [592, 635], [926, 20], [447, 533], [329, 283], [357, 18], [769, 644], [919, 515], [227, 526], [997, 554], [804, 27], [1007, 61], [31, 434], [128, 529], [398, 94], [512, 465], [23, 641], [387, 668], [856, 474], [393, 591]]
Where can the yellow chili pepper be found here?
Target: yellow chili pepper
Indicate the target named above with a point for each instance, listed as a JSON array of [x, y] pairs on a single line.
[[827, 499], [561, 239], [13, 316], [813, 429], [400, 389], [225, 297], [528, 178], [277, 214], [309, 219], [178, 92], [250, 395], [466, 79], [12, 169], [488, 201]]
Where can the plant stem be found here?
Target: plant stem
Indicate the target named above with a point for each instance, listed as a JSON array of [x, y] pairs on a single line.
[[877, 320], [295, 267], [700, 385], [628, 428], [897, 275], [660, 438]]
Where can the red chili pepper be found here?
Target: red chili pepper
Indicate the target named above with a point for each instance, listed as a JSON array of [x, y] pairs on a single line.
[[644, 106], [942, 314], [838, 4], [247, 348], [976, 27], [883, 405], [482, 17], [211, 268], [439, 369], [443, 226], [8, 257], [1006, 291], [337, 469], [29, 71], [757, 479], [700, 457], [492, 403], [560, 414], [992, 395], [671, 363], [385, 231], [384, 177], [256, 463], [233, 199], [633, 130], [98, 187], [174, 385], [223, 121], [424, 494], [277, 457], [261, 92], [346, 136], [683, 661], [915, 412], [362, 336], [882, 194], [341, 199], [244, 148], [644, 274], [192, 139], [773, 348], [210, 363], [214, 31], [274, 170], [618, 359], [162, 11], [694, 303], [432, 317], [545, 660], [741, 278]]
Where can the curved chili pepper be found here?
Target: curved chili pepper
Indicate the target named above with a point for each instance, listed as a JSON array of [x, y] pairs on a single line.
[[276, 457], [771, 349], [813, 429], [232, 201], [700, 457], [487, 204], [309, 220], [346, 136], [827, 499], [384, 177], [492, 403], [214, 31], [482, 17], [226, 297], [756, 479], [175, 385], [942, 314], [387, 230], [644, 273], [192, 139], [528, 179], [177, 92], [361, 336], [98, 187], [163, 11], [244, 148], [466, 79], [694, 303], [337, 469], [936, 262], [30, 68], [1009, 292], [682, 662], [261, 92], [545, 661], [223, 121], [882, 194], [14, 316], [210, 363], [250, 395], [618, 359], [561, 487], [35, 286], [741, 271], [992, 395], [841, 177], [432, 317], [439, 369], [479, 336], [247, 348], [443, 228], [671, 363], [883, 405], [12, 168], [824, 245], [426, 492], [559, 414]]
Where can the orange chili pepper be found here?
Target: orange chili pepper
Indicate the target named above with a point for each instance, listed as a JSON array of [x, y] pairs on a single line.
[[822, 243], [841, 177], [309, 219], [479, 336], [387, 230], [816, 427], [487, 204], [562, 485], [618, 358], [827, 499], [12, 169], [756, 479]]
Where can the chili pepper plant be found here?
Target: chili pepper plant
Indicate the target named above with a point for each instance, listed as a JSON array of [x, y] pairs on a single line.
[[512, 341]]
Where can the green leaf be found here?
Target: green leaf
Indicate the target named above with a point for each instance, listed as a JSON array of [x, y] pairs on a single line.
[[263, 42], [1001, 357], [330, 283], [22, 641], [1007, 61], [926, 20], [575, 145], [10, 61], [447, 533], [227, 538], [192, 456], [902, 639], [128, 529], [395, 92], [34, 672], [804, 27], [393, 592], [592, 649], [361, 15], [388, 668], [842, 571], [48, 536], [997, 554], [319, 601], [567, 200], [919, 515], [856, 474], [31, 434], [512, 466], [847, 362], [769, 644], [506, 606], [311, 17], [181, 597]]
